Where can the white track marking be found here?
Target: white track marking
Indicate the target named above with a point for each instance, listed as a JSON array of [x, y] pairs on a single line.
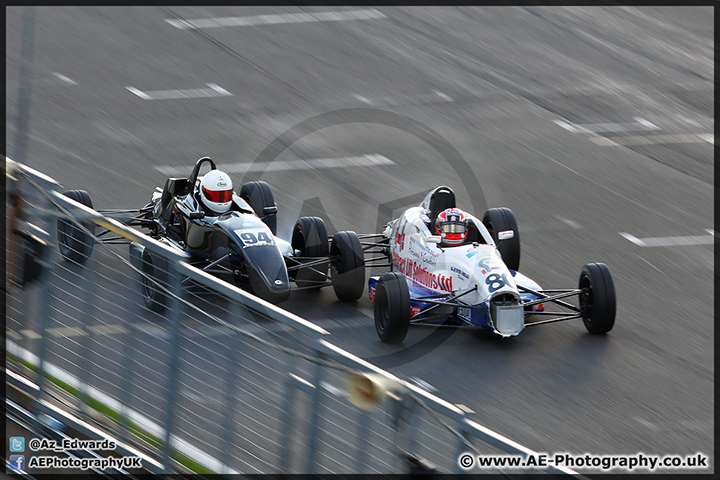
[[399, 100], [213, 91], [65, 79], [276, 19], [566, 126], [30, 334], [670, 241], [708, 137], [67, 332], [640, 124], [182, 446], [369, 160], [13, 335], [568, 222], [653, 139]]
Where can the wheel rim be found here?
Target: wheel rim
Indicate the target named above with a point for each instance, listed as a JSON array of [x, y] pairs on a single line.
[[586, 299]]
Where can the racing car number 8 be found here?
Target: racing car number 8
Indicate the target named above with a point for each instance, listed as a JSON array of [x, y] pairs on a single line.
[[496, 281]]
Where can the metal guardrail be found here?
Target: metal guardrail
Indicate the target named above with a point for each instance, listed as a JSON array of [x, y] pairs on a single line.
[[221, 382]]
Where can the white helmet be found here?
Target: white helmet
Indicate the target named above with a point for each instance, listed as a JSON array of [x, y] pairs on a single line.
[[216, 191]]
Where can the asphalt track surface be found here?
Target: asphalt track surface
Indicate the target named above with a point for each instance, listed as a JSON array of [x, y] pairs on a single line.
[[586, 122]]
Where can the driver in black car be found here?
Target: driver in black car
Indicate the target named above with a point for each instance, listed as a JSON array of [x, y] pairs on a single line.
[[216, 192]]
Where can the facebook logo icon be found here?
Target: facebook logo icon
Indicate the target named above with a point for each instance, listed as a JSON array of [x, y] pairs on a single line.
[[17, 461]]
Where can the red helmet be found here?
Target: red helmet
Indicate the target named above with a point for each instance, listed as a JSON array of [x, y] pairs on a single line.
[[451, 225]]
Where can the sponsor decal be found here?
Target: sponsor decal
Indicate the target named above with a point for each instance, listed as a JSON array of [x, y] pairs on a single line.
[[464, 312], [460, 273], [487, 264], [372, 294], [222, 183], [421, 275], [415, 310], [471, 254]]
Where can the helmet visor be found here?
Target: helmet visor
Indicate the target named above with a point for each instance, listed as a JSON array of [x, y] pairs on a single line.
[[452, 227], [218, 196]]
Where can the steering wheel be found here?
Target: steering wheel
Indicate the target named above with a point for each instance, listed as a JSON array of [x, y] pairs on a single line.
[[196, 169]]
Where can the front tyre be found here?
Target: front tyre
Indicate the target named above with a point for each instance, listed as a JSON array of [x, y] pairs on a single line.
[[155, 269], [499, 220], [74, 244], [310, 239], [259, 196], [598, 302], [347, 267], [392, 307]]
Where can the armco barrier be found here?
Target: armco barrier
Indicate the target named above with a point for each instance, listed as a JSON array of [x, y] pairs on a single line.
[[219, 381]]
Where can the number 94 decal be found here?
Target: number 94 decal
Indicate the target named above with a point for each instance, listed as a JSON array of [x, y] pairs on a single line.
[[254, 238]]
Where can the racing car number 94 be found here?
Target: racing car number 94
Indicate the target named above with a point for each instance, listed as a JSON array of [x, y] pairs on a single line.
[[254, 238]]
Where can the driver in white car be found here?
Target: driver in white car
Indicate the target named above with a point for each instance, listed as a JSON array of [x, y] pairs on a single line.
[[452, 227]]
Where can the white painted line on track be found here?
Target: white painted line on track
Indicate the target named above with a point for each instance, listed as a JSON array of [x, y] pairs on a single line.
[[369, 160], [213, 91], [670, 241], [148, 425], [398, 100], [640, 124], [65, 79], [653, 139], [276, 19]]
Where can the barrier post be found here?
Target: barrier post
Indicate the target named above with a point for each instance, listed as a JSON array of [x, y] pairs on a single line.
[[316, 400], [173, 307], [44, 297], [234, 364]]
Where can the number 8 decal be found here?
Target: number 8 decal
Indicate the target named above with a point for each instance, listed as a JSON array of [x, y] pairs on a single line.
[[494, 282]]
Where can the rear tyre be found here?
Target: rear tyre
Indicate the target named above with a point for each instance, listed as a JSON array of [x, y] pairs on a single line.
[[156, 268], [259, 195], [74, 244], [392, 307], [498, 220], [310, 239], [347, 269], [598, 304]]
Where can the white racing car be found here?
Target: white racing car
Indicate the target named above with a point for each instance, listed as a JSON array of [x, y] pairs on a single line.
[[450, 268]]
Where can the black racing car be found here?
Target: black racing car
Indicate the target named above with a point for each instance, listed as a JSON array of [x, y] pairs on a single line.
[[239, 245]]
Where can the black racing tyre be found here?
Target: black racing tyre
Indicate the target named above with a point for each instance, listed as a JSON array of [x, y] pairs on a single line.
[[598, 304], [310, 239], [259, 195], [156, 268], [498, 220], [74, 244], [392, 307], [347, 267]]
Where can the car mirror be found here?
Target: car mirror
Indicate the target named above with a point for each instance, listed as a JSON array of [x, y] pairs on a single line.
[[434, 239], [195, 215], [506, 235], [270, 210]]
